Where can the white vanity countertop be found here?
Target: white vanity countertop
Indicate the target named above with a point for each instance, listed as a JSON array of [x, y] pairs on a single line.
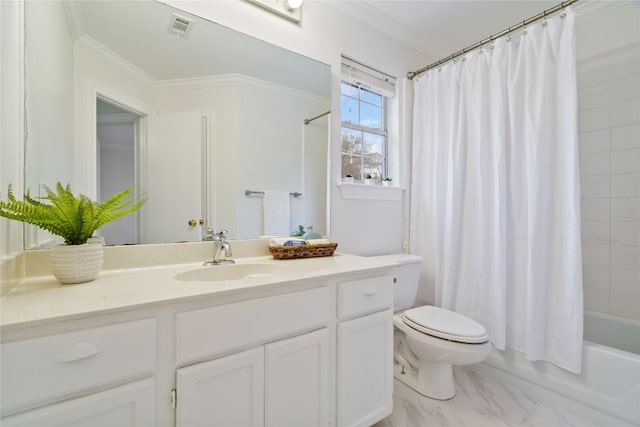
[[43, 299]]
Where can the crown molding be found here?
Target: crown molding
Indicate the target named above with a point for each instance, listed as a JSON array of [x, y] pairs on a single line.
[[233, 80], [377, 20], [110, 56], [74, 18], [589, 9], [191, 82]]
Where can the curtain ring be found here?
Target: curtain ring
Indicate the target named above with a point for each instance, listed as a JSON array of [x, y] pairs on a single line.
[[491, 42], [524, 27], [564, 12], [508, 34], [544, 18]]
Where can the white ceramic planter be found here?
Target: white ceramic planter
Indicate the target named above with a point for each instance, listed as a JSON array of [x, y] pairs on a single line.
[[77, 263]]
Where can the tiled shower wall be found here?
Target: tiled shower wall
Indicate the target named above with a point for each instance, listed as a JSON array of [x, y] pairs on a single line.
[[608, 100]]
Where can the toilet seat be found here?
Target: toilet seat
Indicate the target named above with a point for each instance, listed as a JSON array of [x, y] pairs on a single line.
[[445, 324]]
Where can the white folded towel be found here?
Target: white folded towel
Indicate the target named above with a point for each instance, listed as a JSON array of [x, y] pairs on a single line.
[[287, 241], [312, 242], [276, 212]]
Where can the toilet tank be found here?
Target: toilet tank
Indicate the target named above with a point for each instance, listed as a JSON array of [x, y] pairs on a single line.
[[405, 291]]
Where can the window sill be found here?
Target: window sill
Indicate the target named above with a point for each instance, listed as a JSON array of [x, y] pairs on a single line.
[[369, 192]]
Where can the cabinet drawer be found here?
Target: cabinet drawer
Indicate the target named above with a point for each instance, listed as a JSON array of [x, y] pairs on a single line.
[[363, 296], [214, 330], [41, 370], [127, 405]]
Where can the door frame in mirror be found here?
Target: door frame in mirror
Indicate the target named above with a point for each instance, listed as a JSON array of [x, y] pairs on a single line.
[[86, 154]]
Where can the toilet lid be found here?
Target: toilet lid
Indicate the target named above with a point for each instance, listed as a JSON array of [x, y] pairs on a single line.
[[445, 324]]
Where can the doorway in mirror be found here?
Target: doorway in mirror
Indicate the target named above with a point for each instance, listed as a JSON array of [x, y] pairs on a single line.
[[117, 137]]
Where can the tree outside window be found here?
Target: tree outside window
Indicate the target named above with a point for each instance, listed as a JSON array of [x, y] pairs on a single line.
[[364, 136]]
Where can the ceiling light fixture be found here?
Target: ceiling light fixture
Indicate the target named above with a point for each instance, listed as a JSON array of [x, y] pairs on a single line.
[[294, 4], [289, 9]]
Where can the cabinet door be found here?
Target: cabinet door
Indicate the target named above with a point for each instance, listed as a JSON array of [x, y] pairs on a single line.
[[225, 392], [365, 369], [127, 405], [297, 375]]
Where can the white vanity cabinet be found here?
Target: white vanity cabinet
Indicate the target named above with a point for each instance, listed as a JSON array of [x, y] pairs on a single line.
[[297, 381], [365, 351], [284, 383], [123, 406], [224, 392], [75, 378], [280, 382], [310, 352]]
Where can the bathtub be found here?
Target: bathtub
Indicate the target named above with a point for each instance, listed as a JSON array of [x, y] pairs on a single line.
[[610, 378]]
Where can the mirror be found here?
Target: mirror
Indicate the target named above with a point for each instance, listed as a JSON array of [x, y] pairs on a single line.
[[209, 112]]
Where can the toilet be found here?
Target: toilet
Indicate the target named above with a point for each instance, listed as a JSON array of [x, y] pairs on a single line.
[[429, 340]]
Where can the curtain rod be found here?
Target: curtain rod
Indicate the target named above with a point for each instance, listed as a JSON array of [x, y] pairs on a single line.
[[412, 74], [307, 121]]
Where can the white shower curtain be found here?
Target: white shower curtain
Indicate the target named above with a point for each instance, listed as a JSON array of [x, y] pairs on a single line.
[[495, 201]]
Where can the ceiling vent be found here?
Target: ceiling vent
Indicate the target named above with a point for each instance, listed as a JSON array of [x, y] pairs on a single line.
[[180, 25]]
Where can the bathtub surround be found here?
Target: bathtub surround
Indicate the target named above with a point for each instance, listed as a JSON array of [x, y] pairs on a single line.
[[608, 103], [495, 190]]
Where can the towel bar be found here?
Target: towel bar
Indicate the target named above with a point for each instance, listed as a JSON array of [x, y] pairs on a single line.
[[250, 192]]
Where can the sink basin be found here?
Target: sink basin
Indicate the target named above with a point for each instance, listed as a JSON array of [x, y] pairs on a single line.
[[231, 272]]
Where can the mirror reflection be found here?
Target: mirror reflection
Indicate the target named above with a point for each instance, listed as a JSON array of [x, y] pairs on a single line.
[[190, 112]]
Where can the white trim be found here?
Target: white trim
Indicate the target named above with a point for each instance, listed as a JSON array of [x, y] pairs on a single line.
[[126, 67], [12, 119], [358, 74], [385, 24], [369, 192], [110, 56], [230, 80], [116, 118], [86, 166], [74, 18], [589, 9]]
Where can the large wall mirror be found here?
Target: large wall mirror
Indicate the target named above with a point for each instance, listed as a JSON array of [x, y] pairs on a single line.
[[192, 113]]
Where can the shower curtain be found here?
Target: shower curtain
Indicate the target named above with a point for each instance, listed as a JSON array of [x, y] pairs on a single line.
[[495, 202]]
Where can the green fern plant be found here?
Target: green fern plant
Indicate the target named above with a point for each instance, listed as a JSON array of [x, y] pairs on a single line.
[[74, 218]]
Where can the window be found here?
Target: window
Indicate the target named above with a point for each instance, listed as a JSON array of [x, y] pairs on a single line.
[[363, 107]]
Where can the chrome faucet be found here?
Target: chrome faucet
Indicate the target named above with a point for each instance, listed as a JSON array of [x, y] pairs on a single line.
[[221, 248]]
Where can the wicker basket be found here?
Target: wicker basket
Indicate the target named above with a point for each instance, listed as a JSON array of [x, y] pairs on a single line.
[[310, 251]]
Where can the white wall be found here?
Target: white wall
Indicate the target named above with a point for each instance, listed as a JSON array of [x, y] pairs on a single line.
[[315, 158], [242, 108], [49, 109], [239, 107], [359, 226], [98, 72], [608, 53], [11, 146]]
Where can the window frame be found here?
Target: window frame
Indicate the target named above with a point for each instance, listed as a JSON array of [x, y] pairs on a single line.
[[383, 131]]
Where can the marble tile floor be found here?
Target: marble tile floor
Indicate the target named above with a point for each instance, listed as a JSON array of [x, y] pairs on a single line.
[[480, 401]]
